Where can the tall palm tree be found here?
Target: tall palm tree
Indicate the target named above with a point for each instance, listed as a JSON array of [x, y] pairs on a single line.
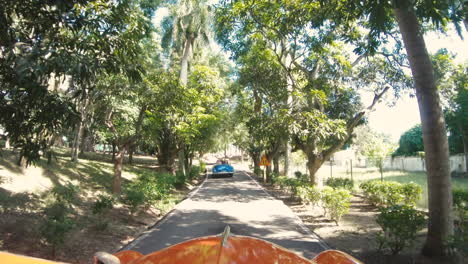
[[187, 28]]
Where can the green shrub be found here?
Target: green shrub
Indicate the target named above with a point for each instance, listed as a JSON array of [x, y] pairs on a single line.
[[166, 181], [57, 215], [156, 187], [194, 172], [57, 223], [459, 241], [281, 181], [302, 193], [460, 199], [336, 202], [67, 193], [411, 193], [258, 172], [57, 210], [298, 174], [400, 224], [388, 193], [367, 186], [103, 204], [309, 194], [202, 166], [370, 189], [289, 185], [301, 177], [134, 199], [382, 193], [180, 179], [344, 183], [54, 231], [274, 178], [148, 189], [293, 184]]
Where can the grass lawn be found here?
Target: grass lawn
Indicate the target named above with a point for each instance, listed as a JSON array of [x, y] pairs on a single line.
[[364, 174], [92, 172]]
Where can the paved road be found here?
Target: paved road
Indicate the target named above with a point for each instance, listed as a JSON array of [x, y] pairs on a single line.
[[238, 202]]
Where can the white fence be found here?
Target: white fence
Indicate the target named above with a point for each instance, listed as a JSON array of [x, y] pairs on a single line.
[[457, 163]]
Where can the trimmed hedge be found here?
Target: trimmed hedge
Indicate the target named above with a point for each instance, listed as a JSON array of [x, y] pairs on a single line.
[[388, 193], [336, 202], [344, 183], [400, 224]]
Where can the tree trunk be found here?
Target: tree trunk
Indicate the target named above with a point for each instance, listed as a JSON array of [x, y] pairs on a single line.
[[134, 139], [256, 160], [114, 148], [130, 154], [268, 173], [79, 131], [166, 162], [440, 225], [7, 143], [287, 159], [83, 141], [181, 160], [184, 62], [287, 64], [313, 165], [166, 157], [187, 161], [21, 162], [117, 181], [76, 142], [49, 150], [276, 169]]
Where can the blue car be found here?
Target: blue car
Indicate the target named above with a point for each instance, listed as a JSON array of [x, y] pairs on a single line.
[[223, 169]]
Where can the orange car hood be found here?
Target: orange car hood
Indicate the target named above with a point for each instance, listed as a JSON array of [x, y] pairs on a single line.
[[225, 249], [213, 250]]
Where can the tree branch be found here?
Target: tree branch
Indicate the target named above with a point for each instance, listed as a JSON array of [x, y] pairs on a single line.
[[358, 59], [352, 124], [377, 97]]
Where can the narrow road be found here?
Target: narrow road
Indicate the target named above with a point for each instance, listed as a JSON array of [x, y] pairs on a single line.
[[238, 202]]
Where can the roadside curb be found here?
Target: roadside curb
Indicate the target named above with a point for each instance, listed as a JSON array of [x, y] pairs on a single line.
[[163, 219], [320, 241]]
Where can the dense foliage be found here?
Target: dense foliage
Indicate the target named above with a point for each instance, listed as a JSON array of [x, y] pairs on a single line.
[[388, 193], [411, 142], [400, 225], [344, 183]]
